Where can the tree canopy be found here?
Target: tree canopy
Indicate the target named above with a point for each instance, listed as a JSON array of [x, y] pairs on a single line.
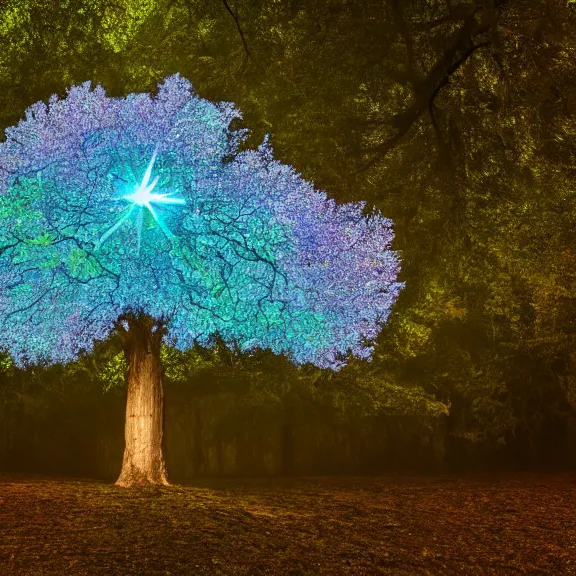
[[208, 238]]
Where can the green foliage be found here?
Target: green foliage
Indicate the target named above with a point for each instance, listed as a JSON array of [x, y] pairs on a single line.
[[113, 373], [6, 365]]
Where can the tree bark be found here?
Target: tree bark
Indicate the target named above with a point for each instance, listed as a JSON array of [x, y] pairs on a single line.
[[143, 461]]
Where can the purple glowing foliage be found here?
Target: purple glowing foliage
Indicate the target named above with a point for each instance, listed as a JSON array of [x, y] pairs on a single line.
[[244, 247]]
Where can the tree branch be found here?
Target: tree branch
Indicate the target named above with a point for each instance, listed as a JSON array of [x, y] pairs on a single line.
[[445, 81], [227, 6], [460, 48]]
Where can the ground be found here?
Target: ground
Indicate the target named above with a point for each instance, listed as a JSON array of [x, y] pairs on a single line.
[[513, 524]]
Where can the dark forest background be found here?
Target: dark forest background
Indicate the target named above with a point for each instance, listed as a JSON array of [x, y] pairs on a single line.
[[457, 119]]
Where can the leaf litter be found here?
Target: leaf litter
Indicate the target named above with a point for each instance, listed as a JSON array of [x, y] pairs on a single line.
[[508, 524]]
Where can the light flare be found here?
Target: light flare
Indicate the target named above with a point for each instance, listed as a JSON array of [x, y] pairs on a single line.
[[143, 197]]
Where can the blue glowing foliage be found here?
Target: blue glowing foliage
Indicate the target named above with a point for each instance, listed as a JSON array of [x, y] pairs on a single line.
[[145, 203]]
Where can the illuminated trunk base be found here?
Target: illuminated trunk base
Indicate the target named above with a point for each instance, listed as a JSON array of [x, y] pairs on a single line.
[[143, 461]]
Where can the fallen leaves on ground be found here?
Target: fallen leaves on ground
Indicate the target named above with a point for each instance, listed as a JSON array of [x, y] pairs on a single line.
[[513, 524]]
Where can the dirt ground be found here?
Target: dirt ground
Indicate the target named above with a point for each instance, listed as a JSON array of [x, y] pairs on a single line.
[[513, 524]]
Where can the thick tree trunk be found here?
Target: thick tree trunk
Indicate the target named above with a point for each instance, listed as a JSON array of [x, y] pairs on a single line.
[[143, 458]]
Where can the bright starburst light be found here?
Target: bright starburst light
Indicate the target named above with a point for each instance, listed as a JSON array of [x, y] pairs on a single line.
[[141, 198]]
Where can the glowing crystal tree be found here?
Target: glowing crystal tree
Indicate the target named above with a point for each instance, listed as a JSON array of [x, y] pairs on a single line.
[[139, 215]]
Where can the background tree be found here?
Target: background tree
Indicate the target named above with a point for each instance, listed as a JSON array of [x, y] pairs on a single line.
[[206, 240]]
